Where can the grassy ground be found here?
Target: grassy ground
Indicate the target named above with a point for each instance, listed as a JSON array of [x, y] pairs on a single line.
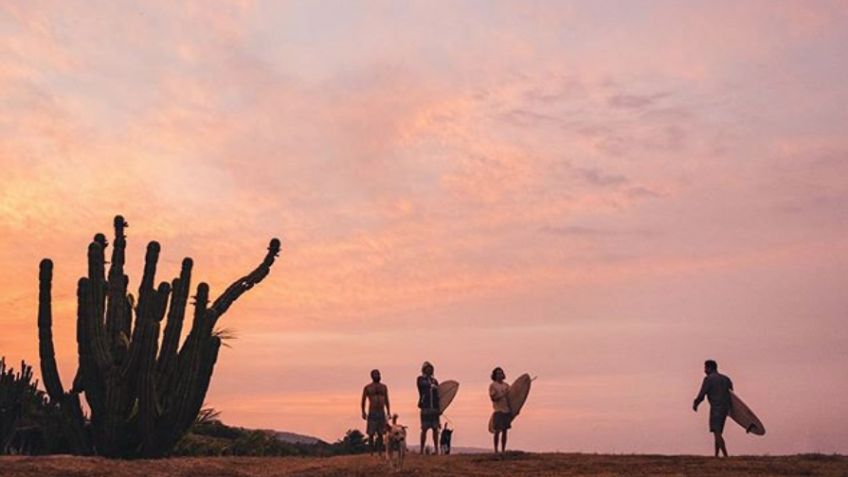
[[465, 465]]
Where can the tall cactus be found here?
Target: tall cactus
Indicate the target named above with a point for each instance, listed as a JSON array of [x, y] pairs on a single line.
[[142, 398]]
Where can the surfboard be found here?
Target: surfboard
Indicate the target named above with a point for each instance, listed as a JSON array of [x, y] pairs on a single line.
[[518, 392], [447, 391], [516, 397], [744, 416]]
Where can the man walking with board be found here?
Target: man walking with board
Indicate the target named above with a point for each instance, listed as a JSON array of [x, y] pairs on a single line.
[[377, 395], [716, 387]]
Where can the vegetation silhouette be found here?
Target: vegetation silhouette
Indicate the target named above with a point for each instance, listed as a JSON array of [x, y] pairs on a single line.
[[143, 397], [211, 437], [29, 422]]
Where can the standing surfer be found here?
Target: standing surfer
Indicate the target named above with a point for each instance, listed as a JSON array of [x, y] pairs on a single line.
[[716, 387], [377, 395], [502, 416], [428, 402]]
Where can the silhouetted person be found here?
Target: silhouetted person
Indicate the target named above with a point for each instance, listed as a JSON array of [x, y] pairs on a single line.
[[428, 403], [716, 387], [377, 395], [502, 416]]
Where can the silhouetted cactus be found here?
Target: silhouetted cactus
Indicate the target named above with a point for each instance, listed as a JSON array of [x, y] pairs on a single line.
[[142, 398], [28, 420], [15, 390]]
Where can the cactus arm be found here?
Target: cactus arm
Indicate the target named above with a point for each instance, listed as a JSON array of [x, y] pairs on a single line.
[[46, 352], [147, 398], [69, 403], [85, 363], [95, 307], [86, 360], [117, 318], [146, 298], [189, 353], [201, 307], [176, 316], [243, 284]]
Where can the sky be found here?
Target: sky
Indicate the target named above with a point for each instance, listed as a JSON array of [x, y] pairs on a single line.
[[601, 194]]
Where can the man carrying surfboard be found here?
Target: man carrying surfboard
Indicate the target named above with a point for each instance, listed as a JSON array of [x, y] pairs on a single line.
[[428, 403], [716, 387], [377, 395], [502, 416]]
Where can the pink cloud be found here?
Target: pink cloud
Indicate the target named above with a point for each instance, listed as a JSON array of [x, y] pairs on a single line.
[[616, 184]]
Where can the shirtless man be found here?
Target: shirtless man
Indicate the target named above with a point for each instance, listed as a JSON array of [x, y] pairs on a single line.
[[377, 395], [502, 416]]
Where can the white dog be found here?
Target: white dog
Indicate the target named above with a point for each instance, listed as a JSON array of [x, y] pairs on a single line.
[[395, 442]]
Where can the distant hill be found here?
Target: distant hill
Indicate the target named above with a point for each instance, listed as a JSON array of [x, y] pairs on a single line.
[[218, 439], [214, 438], [294, 438]]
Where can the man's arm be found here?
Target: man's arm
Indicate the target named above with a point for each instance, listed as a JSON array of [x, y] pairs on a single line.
[[388, 408], [495, 394], [730, 384], [364, 394], [701, 394]]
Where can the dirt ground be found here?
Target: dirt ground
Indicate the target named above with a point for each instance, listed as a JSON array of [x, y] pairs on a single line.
[[464, 465]]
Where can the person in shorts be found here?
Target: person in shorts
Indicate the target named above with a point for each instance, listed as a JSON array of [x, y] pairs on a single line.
[[428, 403], [502, 416], [377, 395], [716, 388]]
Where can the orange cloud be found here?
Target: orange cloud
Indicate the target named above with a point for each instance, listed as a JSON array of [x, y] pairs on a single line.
[[569, 191]]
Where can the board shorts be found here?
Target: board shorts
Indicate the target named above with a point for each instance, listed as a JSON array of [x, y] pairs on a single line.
[[501, 421], [377, 423], [718, 416], [430, 419]]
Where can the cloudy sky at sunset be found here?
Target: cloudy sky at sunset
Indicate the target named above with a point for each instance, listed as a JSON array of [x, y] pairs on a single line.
[[602, 194]]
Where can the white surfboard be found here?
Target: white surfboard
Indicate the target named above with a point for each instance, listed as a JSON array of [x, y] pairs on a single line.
[[744, 416]]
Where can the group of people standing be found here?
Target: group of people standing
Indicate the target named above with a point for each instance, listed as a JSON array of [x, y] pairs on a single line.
[[715, 388], [376, 395]]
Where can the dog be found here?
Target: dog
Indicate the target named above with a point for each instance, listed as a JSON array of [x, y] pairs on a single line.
[[395, 442], [445, 440]]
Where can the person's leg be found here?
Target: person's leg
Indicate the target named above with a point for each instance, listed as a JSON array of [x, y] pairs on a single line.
[[496, 438], [721, 444], [503, 441], [423, 439], [436, 441], [371, 443], [716, 445]]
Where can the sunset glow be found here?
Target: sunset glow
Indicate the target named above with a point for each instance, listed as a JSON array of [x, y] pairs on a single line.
[[601, 194]]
